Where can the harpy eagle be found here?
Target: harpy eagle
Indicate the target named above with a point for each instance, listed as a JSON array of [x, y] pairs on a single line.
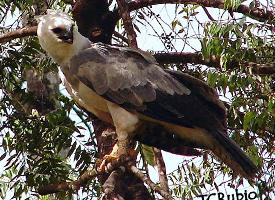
[[127, 88]]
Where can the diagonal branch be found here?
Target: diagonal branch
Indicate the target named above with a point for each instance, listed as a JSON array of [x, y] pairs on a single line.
[[208, 14], [66, 186], [259, 14], [161, 170], [147, 180], [125, 15], [18, 33]]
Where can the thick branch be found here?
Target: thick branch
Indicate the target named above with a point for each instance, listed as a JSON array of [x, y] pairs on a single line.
[[19, 33], [128, 24], [91, 174], [259, 14], [113, 188], [214, 61]]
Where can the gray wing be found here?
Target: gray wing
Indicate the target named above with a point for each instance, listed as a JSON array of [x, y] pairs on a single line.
[[123, 75], [133, 79]]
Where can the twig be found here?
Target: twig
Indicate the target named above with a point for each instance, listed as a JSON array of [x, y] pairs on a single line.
[[18, 33], [208, 14], [128, 24], [161, 170], [118, 35], [147, 180], [5, 13]]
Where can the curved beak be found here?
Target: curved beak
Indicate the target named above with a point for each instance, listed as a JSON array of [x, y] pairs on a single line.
[[67, 35]]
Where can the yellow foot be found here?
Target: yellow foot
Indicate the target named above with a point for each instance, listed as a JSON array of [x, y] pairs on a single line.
[[106, 159], [130, 155]]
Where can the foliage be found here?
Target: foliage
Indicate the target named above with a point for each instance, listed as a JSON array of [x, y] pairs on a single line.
[[47, 139]]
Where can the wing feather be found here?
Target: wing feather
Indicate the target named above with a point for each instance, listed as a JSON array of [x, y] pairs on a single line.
[[132, 79], [123, 75]]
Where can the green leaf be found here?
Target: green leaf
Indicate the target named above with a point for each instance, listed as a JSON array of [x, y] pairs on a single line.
[[148, 154], [211, 79], [174, 24], [248, 120], [252, 152]]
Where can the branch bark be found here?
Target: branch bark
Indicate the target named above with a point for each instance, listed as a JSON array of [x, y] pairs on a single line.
[[65, 186], [148, 181], [128, 24], [259, 14], [19, 33], [213, 61], [109, 185], [161, 170]]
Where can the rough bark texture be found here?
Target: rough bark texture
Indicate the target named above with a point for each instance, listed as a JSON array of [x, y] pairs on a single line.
[[127, 21], [118, 183], [19, 33]]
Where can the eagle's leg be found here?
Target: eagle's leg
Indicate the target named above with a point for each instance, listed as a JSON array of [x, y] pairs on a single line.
[[125, 124]]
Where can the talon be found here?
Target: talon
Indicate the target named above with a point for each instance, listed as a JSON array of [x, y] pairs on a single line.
[[111, 159], [106, 159]]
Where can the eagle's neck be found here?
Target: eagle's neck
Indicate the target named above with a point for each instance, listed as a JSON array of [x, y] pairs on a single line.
[[80, 42]]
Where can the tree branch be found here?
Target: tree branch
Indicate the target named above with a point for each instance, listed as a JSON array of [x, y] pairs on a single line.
[[113, 188], [148, 181], [18, 33], [259, 14], [128, 24], [208, 14], [213, 61], [255, 13], [119, 36], [91, 174], [161, 170], [65, 186]]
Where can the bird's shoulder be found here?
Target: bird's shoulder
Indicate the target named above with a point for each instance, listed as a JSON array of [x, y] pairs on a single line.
[[123, 51], [114, 69]]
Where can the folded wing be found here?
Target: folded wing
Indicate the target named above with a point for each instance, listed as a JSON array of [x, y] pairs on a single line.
[[135, 81]]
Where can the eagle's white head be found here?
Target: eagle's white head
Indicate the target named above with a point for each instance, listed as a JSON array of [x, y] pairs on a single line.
[[59, 37]]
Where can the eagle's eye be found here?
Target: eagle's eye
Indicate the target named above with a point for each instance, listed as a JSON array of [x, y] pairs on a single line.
[[57, 30]]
